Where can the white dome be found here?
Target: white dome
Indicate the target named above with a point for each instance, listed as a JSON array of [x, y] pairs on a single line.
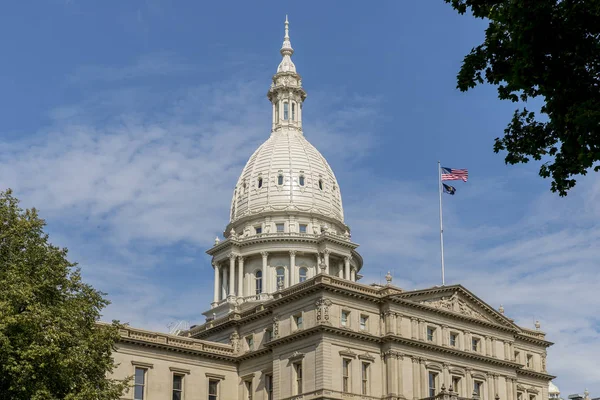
[[552, 388], [292, 175]]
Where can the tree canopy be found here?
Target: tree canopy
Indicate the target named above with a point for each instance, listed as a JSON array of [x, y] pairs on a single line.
[[51, 346], [548, 49]]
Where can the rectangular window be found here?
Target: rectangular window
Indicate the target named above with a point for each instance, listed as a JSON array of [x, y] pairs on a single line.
[[293, 111], [285, 111], [258, 229], [298, 369], [453, 339], [517, 356], [430, 334], [365, 378], [432, 379], [177, 387], [298, 321], [363, 322], [139, 384], [250, 342], [249, 392], [345, 316], [213, 389], [268, 334], [269, 386], [456, 384], [346, 375], [475, 344], [478, 388], [279, 227], [303, 228], [529, 361]]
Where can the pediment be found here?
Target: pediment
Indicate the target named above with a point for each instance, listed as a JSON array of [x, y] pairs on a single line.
[[458, 300], [458, 305]]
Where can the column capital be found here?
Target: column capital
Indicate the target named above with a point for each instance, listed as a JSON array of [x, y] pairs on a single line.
[[232, 256], [241, 259], [265, 254], [293, 252], [348, 258], [444, 326], [326, 251], [215, 264]]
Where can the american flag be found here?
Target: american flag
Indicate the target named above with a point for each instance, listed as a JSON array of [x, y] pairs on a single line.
[[449, 174]]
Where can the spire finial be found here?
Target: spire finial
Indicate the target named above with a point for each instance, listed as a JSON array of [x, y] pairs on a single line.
[[286, 51]]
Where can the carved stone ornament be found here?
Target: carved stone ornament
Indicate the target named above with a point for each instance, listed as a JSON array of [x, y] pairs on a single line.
[[323, 311], [275, 327], [234, 341], [455, 304]]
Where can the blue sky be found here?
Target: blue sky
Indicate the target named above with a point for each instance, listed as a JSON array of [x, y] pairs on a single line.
[[127, 123]]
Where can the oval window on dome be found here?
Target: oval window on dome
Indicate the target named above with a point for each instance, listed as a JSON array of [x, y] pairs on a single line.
[[280, 179], [301, 180], [321, 184], [260, 182]]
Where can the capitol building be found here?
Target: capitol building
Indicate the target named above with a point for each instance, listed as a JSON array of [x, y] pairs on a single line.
[[291, 318]]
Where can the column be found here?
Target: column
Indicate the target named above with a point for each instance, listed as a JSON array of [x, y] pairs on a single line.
[[506, 351], [341, 270], [509, 393], [353, 274], [224, 283], [400, 374], [495, 385], [326, 259], [416, 380], [424, 380], [389, 322], [293, 267], [347, 268], [470, 387], [390, 364], [265, 272], [494, 348], [511, 351], [487, 346], [421, 329], [231, 275], [398, 324], [445, 337], [240, 277], [490, 383], [217, 286], [467, 341], [413, 328]]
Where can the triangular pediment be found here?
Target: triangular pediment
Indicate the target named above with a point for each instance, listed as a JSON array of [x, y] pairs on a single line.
[[458, 300]]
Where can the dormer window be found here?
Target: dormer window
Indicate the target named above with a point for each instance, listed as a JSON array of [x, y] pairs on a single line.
[[260, 182], [293, 111], [321, 184], [280, 179], [301, 180], [285, 111]]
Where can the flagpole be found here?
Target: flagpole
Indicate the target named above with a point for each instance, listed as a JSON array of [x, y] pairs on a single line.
[[441, 223]]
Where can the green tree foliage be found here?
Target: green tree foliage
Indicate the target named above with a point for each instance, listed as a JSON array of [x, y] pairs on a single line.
[[548, 49], [51, 346]]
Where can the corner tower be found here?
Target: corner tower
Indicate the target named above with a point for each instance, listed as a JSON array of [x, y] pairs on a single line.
[[286, 219]]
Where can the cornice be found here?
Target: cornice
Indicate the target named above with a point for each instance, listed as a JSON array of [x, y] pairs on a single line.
[[527, 338], [534, 374], [450, 350]]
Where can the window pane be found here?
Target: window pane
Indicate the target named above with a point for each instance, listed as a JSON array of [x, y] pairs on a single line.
[[177, 395], [280, 180], [301, 180], [285, 111], [212, 388], [138, 392], [280, 227], [139, 376], [177, 380]]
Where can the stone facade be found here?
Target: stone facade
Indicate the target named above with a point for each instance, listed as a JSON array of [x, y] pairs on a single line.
[[290, 321]]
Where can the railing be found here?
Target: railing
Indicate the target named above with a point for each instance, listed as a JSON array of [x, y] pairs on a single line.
[[176, 341], [314, 236]]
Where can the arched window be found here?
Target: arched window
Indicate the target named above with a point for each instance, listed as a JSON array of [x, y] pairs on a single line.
[[280, 277], [285, 111], [303, 274], [321, 184], [259, 182], [280, 179], [258, 281], [301, 180], [293, 111]]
